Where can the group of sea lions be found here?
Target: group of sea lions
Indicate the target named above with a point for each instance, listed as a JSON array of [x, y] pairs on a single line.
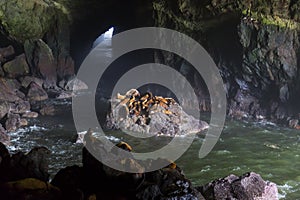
[[139, 106]]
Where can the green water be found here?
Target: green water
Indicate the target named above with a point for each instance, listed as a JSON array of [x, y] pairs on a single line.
[[271, 151]]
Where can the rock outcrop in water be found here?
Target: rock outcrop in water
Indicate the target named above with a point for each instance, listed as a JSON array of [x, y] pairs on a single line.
[[248, 186], [154, 115]]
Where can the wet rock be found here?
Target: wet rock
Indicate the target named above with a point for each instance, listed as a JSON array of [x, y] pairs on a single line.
[[16, 67], [13, 122], [4, 139], [31, 165], [249, 186], [30, 115], [6, 52], [29, 189], [36, 93], [20, 107], [65, 95], [70, 181], [23, 122], [48, 110], [27, 80], [152, 115], [75, 85], [167, 184], [41, 61]]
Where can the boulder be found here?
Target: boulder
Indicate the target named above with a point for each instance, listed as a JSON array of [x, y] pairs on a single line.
[[16, 67], [13, 122], [24, 20], [48, 110], [29, 189], [4, 138], [41, 61], [25, 81], [30, 115], [166, 183], [65, 67], [248, 186], [31, 165], [20, 107], [4, 108], [6, 52], [75, 85], [10, 90], [36, 93]]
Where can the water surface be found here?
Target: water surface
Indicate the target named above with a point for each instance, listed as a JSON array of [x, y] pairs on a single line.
[[264, 148]]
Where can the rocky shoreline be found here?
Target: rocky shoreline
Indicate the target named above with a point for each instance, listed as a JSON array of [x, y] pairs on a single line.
[[25, 176]]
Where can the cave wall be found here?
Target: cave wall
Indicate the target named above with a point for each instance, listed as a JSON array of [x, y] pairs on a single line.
[[255, 44]]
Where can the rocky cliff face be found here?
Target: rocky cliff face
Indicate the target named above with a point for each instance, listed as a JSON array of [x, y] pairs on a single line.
[[255, 44]]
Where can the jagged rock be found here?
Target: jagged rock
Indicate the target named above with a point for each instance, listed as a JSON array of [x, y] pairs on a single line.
[[13, 122], [6, 52], [76, 85], [4, 138], [31, 165], [10, 90], [36, 93], [29, 189], [16, 67], [48, 110], [167, 183], [20, 107], [41, 61], [65, 67], [4, 108], [25, 81], [30, 115], [250, 186], [151, 115]]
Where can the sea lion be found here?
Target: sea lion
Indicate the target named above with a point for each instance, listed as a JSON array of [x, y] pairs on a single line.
[[132, 93], [125, 146], [147, 100]]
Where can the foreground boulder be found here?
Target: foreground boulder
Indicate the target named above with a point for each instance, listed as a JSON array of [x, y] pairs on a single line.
[[21, 166], [29, 189], [87, 181], [152, 115], [250, 186]]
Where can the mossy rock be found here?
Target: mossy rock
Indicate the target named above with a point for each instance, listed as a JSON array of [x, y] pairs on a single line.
[[29, 19]]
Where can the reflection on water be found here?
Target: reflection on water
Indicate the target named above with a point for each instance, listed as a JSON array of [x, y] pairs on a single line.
[[266, 149]]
